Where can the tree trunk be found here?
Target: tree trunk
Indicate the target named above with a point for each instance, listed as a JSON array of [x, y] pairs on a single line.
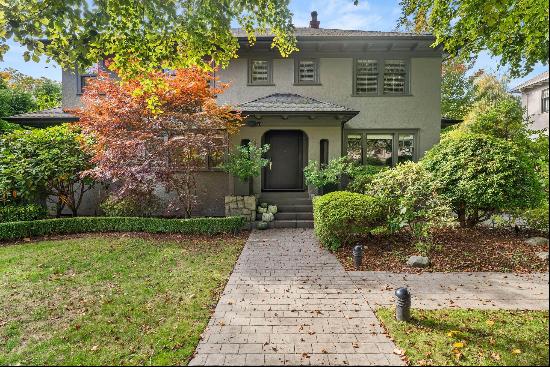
[[461, 212], [250, 186]]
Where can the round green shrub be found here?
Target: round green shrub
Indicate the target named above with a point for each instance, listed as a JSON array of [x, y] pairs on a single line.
[[412, 198], [483, 175], [341, 217]]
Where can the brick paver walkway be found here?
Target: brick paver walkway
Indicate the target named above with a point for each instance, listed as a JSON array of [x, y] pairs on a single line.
[[290, 302], [464, 290]]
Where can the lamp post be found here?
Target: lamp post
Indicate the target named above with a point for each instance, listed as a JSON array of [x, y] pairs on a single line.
[[403, 304], [358, 256]]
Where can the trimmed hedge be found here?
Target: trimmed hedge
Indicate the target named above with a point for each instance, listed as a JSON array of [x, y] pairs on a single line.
[[210, 226], [19, 212], [342, 217]]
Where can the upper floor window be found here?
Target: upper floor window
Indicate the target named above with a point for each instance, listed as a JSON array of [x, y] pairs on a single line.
[[395, 75], [83, 79], [307, 71], [260, 72], [381, 77], [545, 107], [366, 76]]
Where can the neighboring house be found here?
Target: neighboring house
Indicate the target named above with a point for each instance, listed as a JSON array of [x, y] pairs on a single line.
[[374, 96], [535, 100]]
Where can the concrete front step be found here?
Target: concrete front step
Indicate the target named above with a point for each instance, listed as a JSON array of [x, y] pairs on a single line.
[[289, 224], [290, 216], [285, 201], [291, 208], [274, 195]]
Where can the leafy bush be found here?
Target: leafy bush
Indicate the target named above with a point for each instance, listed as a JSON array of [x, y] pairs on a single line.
[[483, 175], [210, 226], [411, 193], [362, 178], [341, 217], [331, 174], [22, 212], [144, 205], [45, 162], [246, 161], [538, 218]]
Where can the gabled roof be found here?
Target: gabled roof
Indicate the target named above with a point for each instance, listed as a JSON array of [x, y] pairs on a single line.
[[52, 116], [533, 82], [307, 32], [289, 102]]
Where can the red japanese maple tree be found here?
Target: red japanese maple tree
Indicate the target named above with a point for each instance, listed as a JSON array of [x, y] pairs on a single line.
[[161, 133]]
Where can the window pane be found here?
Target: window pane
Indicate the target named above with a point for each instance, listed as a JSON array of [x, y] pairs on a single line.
[[85, 81], [379, 149], [545, 101], [395, 74], [307, 71], [406, 148], [366, 78], [260, 71], [355, 149]]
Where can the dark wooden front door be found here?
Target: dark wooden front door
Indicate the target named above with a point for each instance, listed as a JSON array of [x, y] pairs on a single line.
[[287, 160]]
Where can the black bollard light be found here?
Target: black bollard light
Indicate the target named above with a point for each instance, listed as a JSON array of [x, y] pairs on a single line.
[[403, 306], [358, 256]]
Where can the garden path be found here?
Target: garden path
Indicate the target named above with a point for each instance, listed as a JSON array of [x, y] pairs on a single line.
[[290, 302]]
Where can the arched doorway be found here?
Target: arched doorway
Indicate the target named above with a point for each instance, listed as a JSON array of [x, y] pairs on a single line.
[[287, 155]]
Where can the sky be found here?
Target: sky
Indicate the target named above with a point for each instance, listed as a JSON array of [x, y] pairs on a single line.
[[374, 15]]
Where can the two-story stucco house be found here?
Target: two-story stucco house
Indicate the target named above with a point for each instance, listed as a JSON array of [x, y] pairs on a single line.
[[535, 99], [374, 96]]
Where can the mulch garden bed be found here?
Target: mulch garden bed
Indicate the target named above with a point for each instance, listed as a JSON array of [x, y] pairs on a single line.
[[457, 250]]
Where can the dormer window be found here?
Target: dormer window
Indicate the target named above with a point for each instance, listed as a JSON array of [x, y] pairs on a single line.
[[306, 71], [260, 72]]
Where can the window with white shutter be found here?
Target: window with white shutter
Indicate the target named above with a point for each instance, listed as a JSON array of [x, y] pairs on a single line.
[[307, 71], [260, 72], [366, 76], [395, 77]]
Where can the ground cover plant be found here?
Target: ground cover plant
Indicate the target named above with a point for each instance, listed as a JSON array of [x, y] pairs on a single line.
[[464, 249], [471, 337], [110, 299]]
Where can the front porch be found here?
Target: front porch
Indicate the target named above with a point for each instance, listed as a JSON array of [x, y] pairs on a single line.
[[298, 129]]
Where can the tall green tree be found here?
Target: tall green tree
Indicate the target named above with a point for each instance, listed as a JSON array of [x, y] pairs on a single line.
[[457, 89], [514, 30], [139, 35]]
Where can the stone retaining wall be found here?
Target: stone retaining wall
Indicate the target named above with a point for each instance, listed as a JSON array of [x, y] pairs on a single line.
[[241, 205]]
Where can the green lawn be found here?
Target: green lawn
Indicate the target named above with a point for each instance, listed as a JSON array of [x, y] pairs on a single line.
[[471, 337], [111, 299]]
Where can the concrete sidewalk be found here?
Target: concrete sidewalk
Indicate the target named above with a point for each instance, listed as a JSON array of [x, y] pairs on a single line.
[[457, 290]]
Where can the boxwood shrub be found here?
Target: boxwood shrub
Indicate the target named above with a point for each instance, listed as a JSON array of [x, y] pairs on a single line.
[[19, 212], [210, 226], [341, 217]]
